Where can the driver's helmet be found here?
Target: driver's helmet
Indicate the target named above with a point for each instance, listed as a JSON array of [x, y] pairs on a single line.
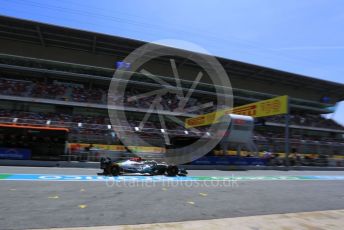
[[137, 159]]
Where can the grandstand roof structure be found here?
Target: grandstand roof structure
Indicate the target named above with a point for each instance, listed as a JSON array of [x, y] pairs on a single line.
[[57, 36]]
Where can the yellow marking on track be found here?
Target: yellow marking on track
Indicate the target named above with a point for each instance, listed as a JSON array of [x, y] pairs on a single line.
[[203, 194], [191, 202], [53, 197], [82, 206]]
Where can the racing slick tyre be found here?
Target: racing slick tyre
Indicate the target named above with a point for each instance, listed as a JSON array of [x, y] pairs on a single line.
[[172, 170], [159, 171], [115, 170]]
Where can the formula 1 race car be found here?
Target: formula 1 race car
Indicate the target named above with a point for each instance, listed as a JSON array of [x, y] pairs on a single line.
[[138, 165]]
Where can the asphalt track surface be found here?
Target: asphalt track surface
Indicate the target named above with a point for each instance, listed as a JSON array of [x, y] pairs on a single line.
[[45, 204]]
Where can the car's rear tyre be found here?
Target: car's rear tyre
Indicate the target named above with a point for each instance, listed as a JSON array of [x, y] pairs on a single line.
[[172, 170], [115, 170]]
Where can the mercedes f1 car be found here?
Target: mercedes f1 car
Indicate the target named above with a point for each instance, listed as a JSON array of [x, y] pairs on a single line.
[[138, 165]]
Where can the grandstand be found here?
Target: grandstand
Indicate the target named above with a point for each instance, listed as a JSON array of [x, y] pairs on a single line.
[[59, 77]]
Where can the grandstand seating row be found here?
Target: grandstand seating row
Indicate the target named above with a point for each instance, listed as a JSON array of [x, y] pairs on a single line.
[[99, 125], [78, 93], [309, 120], [59, 91]]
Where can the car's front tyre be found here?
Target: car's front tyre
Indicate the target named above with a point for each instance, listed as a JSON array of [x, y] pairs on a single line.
[[172, 170]]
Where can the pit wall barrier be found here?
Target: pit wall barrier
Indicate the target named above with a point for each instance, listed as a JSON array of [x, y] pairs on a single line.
[[75, 147], [117, 152], [229, 160], [93, 152]]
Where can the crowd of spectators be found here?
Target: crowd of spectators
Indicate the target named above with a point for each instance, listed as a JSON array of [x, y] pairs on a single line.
[[77, 122], [51, 91], [309, 120], [80, 93], [14, 87], [169, 101], [268, 136], [138, 98], [55, 118], [98, 124]]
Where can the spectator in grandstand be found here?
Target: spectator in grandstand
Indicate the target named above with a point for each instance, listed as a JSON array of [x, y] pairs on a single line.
[[79, 93], [48, 90], [312, 120], [14, 87]]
